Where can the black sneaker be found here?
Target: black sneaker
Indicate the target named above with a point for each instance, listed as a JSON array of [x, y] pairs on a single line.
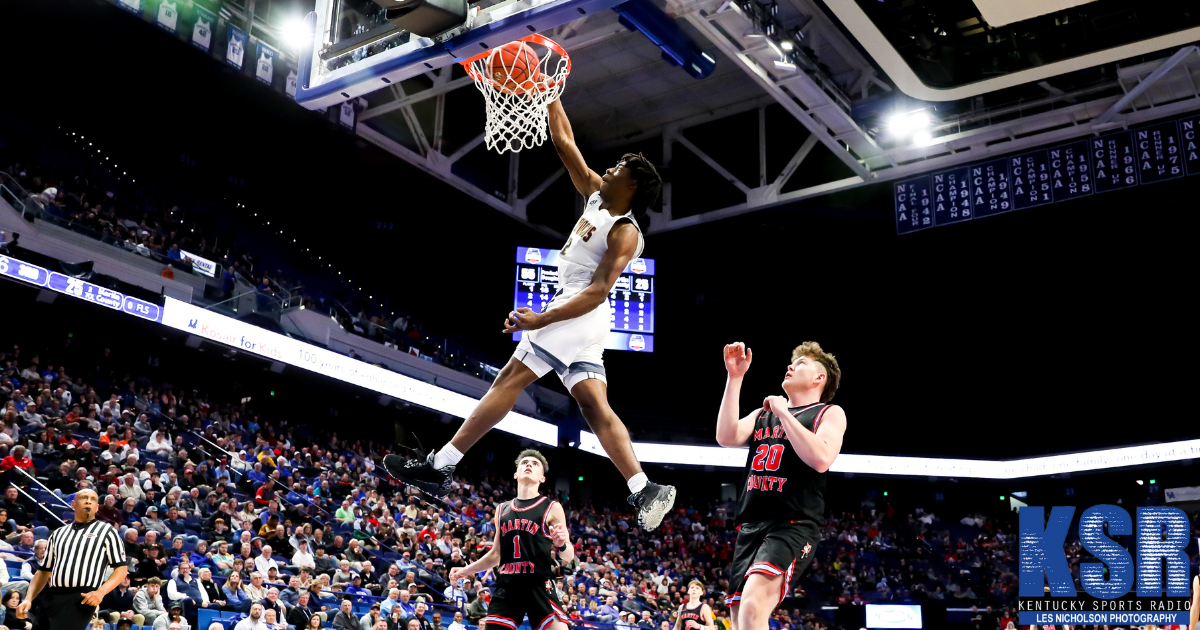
[[420, 473], [653, 502]]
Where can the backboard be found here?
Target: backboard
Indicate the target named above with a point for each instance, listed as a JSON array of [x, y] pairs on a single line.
[[355, 50]]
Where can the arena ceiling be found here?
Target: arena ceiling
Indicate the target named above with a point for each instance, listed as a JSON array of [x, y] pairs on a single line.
[[834, 104]]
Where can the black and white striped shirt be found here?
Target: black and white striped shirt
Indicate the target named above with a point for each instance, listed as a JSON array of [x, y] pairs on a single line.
[[79, 553]]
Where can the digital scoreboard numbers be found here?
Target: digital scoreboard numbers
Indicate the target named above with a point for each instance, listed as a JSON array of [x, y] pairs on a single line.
[[1126, 158], [631, 300]]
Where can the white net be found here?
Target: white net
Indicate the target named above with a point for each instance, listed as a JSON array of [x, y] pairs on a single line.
[[518, 84]]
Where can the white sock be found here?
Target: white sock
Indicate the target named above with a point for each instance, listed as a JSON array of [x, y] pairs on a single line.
[[448, 456], [637, 482]]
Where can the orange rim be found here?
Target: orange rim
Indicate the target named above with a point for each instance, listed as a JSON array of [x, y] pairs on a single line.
[[533, 39]]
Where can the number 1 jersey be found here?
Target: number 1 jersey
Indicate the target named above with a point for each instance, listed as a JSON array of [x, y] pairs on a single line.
[[778, 484], [525, 545]]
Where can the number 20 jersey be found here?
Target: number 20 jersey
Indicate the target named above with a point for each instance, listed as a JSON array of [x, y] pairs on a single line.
[[778, 484]]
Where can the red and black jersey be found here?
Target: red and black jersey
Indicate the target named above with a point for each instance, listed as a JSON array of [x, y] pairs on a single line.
[[686, 613], [525, 545], [778, 484]]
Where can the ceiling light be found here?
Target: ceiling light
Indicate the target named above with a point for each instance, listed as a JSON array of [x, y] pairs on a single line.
[[295, 35], [787, 45]]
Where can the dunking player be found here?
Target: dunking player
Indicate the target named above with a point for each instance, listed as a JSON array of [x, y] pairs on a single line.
[[526, 528], [568, 336], [694, 614], [793, 440]]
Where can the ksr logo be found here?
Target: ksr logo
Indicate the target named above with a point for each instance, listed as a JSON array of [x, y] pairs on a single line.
[[1161, 536]]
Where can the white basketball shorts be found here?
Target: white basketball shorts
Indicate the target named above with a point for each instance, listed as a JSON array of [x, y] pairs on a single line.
[[572, 348]]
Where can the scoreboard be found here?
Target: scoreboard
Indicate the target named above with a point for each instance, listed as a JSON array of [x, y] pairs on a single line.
[[1125, 158], [631, 300]]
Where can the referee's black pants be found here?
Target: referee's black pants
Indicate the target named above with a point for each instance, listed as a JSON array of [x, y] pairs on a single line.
[[59, 608]]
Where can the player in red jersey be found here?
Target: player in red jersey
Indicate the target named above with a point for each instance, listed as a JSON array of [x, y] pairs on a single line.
[[694, 614], [793, 440], [531, 530]]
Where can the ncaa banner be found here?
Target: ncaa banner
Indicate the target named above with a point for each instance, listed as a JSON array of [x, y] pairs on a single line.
[[133, 6], [235, 50], [168, 15], [264, 68], [202, 32]]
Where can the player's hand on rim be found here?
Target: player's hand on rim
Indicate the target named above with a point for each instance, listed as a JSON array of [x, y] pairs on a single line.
[[522, 319], [737, 358]]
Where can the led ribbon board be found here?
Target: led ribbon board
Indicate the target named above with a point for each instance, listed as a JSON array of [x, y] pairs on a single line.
[[247, 338], [653, 453]]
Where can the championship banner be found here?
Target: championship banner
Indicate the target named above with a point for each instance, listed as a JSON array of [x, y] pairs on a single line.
[[347, 117], [168, 15], [264, 68], [235, 50], [289, 85], [133, 6], [202, 32]]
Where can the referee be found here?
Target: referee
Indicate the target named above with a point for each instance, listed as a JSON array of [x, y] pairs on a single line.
[[68, 586]]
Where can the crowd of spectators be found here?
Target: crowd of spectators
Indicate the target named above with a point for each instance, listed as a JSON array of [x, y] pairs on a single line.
[[223, 509], [217, 505]]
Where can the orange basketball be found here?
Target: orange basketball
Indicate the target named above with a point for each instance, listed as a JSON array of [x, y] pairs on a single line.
[[513, 67]]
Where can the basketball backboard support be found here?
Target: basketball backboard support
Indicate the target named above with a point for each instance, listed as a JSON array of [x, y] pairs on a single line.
[[342, 62]]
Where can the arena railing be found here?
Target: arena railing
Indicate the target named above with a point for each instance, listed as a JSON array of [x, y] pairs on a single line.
[[35, 480], [26, 202], [39, 504], [237, 474]]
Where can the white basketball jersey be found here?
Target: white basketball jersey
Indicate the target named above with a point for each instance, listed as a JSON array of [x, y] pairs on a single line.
[[588, 242]]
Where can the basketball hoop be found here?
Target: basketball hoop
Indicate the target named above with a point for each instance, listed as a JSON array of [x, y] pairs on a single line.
[[516, 94]]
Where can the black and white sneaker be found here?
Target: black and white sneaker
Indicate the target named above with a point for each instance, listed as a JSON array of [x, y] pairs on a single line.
[[420, 473], [653, 502]]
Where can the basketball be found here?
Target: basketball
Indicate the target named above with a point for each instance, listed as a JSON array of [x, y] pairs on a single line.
[[513, 67]]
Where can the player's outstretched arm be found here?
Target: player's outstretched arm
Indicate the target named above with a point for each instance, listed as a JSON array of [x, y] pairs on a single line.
[[622, 245], [732, 432], [585, 179], [487, 561]]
